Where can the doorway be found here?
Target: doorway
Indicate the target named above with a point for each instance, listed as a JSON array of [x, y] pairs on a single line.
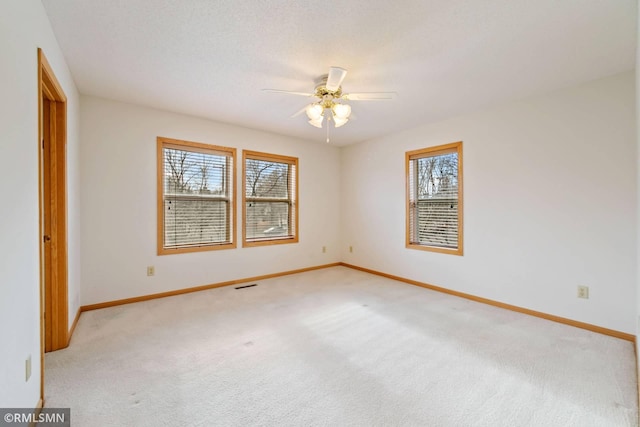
[[52, 141]]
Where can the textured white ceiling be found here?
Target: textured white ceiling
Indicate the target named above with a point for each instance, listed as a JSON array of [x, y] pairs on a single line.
[[211, 58]]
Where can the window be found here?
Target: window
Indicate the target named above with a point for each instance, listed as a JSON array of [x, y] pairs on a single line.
[[196, 188], [270, 210], [434, 199]]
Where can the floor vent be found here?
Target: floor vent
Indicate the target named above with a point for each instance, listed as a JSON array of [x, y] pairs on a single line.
[[247, 286]]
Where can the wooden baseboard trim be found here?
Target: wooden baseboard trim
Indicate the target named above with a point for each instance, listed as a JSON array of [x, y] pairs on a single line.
[[201, 288], [570, 322], [73, 325], [582, 325]]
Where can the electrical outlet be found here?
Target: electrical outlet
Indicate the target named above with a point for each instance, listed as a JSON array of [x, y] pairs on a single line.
[[583, 292], [324, 249], [27, 369], [151, 270], [350, 248]]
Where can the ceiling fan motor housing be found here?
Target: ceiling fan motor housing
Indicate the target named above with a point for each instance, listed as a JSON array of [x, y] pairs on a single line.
[[323, 93]]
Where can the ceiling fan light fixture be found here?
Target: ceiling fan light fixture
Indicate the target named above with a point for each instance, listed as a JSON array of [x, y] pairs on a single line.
[[317, 122], [314, 111], [328, 97], [342, 111], [339, 121]]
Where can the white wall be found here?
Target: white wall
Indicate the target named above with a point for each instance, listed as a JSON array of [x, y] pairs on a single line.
[[23, 28], [119, 203], [550, 203]]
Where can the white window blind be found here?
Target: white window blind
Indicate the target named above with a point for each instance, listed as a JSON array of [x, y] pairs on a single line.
[[197, 195], [434, 197], [270, 198]]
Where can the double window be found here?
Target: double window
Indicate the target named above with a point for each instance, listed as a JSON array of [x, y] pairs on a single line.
[[196, 197], [196, 190], [434, 198], [270, 195]]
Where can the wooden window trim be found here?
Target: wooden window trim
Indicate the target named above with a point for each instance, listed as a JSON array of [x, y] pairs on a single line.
[[256, 155], [179, 144], [454, 147]]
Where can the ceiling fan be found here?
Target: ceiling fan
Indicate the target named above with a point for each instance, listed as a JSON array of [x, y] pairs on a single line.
[[329, 93]]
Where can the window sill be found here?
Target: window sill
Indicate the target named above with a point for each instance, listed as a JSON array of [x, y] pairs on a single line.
[[170, 251], [268, 242], [435, 249]]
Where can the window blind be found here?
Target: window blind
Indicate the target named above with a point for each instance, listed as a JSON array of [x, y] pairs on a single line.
[[270, 198], [434, 208], [197, 196]]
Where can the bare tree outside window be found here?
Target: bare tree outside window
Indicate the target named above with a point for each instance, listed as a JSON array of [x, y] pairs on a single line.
[[434, 197], [437, 201], [196, 196], [270, 198]]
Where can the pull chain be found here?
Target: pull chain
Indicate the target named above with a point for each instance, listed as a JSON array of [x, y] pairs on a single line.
[[328, 124]]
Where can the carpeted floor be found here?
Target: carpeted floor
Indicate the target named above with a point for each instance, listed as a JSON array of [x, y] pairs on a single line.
[[336, 347]]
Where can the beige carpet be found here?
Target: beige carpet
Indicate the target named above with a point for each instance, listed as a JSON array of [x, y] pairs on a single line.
[[337, 347]]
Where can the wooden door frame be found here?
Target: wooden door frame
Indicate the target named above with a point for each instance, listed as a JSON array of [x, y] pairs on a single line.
[[57, 324]]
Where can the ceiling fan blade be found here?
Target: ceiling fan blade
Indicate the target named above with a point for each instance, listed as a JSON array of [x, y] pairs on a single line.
[[289, 92], [368, 96], [299, 112], [335, 78]]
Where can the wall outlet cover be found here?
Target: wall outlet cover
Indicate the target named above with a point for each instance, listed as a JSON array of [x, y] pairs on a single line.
[[583, 292]]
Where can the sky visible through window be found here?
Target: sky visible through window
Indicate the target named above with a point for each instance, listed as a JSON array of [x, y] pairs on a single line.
[[194, 173]]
